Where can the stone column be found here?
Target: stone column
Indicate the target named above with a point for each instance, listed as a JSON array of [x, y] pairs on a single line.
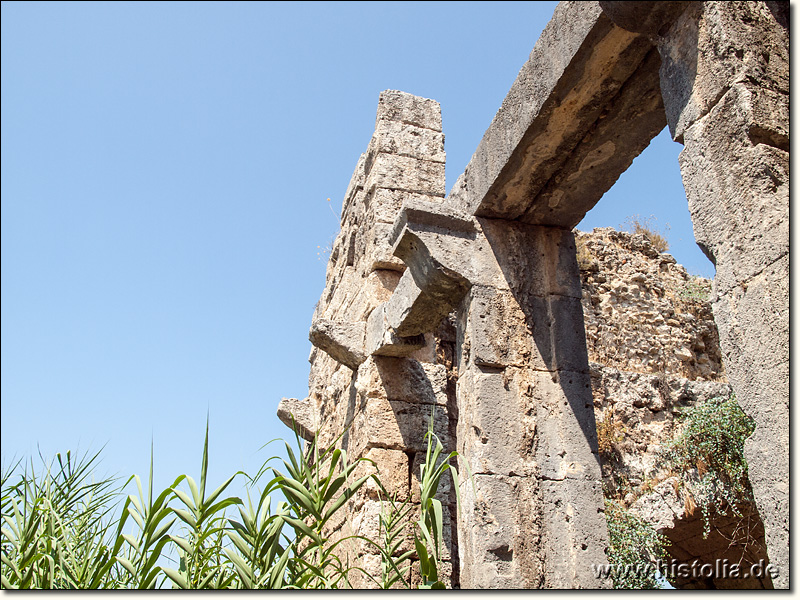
[[532, 516], [725, 84]]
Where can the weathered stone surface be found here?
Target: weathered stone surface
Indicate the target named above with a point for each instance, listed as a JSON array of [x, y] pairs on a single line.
[[343, 341], [394, 105], [738, 191], [404, 139], [388, 202], [652, 18], [383, 340], [581, 57], [570, 526], [395, 425], [642, 311], [499, 533], [403, 379], [405, 173], [296, 415], [714, 45]]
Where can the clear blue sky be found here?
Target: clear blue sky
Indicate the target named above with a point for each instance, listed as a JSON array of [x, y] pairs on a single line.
[[165, 171]]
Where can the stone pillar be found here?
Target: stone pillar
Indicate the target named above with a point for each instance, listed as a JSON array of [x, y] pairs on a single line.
[[533, 514], [725, 84]]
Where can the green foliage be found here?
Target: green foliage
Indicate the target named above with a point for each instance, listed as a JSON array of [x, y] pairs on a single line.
[[696, 289], [428, 537], [634, 546], [58, 531], [709, 453]]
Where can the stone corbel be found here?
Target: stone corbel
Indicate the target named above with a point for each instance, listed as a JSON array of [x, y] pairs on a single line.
[[296, 415], [435, 242]]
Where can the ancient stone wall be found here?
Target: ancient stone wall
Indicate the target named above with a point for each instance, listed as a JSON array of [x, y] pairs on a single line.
[[470, 308], [382, 403]]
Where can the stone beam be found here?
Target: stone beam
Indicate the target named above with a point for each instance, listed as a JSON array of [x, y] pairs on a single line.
[[582, 108], [296, 415], [341, 340]]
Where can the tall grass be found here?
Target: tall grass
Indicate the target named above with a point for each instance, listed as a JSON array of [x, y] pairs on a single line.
[[61, 530]]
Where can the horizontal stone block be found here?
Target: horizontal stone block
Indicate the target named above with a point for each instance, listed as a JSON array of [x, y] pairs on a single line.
[[578, 65], [341, 340], [297, 416], [405, 139], [394, 105], [403, 379], [405, 173], [386, 203], [391, 468], [544, 334], [382, 423], [382, 340], [534, 260]]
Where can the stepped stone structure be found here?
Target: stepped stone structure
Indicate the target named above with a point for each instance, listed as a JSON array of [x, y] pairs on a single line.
[[466, 309]]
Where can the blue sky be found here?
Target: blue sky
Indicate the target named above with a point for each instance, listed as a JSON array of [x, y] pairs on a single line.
[[165, 175]]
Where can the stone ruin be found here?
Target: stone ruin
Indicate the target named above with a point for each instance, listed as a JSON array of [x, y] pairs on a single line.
[[469, 308]]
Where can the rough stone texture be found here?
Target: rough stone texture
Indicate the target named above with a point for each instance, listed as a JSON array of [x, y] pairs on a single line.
[[652, 18], [297, 415], [488, 280], [725, 82], [583, 106], [523, 353], [378, 387], [643, 312]]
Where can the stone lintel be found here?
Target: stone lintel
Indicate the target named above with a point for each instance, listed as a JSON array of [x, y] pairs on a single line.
[[651, 18], [576, 70]]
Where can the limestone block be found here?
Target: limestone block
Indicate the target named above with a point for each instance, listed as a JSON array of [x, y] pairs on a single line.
[[500, 332], [403, 380], [565, 426], [394, 105], [652, 18], [405, 173], [392, 469], [738, 191], [714, 45], [382, 340], [405, 139], [543, 333], [574, 533], [410, 311], [343, 341], [488, 440], [753, 323], [386, 203], [499, 533], [297, 415], [581, 55], [396, 425], [378, 253]]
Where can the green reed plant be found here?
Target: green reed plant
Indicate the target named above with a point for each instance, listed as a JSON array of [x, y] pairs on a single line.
[[58, 530]]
